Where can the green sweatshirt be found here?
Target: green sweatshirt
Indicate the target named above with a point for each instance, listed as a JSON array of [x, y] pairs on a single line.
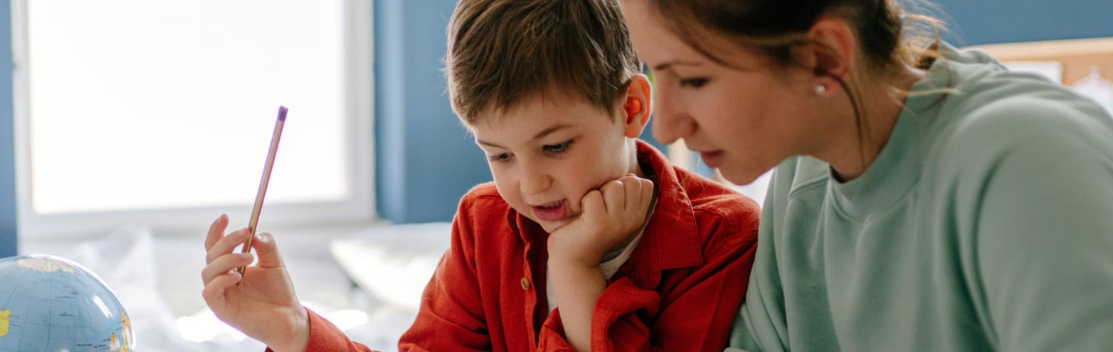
[[985, 224]]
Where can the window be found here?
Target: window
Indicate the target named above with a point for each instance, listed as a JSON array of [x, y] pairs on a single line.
[[161, 112]]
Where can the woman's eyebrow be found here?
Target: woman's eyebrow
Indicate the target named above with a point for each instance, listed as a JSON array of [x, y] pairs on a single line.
[[668, 64]]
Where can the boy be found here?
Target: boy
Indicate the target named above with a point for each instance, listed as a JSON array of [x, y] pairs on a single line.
[[587, 239]]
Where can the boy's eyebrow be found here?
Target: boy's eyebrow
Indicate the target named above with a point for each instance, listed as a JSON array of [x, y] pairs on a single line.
[[539, 135], [550, 130], [666, 65]]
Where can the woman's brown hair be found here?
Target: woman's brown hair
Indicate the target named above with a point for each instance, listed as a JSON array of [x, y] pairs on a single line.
[[890, 37]]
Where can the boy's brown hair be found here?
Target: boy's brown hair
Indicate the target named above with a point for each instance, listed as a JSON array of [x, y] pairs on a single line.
[[501, 52]]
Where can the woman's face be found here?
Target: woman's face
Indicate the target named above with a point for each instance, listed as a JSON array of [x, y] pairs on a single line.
[[743, 119]]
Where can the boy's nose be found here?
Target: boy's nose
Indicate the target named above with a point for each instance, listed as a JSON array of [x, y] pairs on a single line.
[[535, 182]]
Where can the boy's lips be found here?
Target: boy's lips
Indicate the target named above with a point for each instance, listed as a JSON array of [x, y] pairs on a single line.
[[551, 211]]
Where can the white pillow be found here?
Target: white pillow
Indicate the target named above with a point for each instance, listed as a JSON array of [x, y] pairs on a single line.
[[394, 263]]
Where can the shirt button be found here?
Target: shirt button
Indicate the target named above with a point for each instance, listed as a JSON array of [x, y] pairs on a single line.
[[525, 283]]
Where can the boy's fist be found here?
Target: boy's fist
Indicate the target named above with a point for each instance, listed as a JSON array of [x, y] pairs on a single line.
[[611, 215]]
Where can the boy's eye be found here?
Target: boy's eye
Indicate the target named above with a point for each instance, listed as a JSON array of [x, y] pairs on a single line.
[[693, 82], [557, 148], [499, 158]]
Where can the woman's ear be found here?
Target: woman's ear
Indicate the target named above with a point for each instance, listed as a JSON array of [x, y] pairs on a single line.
[[636, 105], [831, 52]]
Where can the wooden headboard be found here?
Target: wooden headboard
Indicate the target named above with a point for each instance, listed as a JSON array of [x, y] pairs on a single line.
[[1077, 56]]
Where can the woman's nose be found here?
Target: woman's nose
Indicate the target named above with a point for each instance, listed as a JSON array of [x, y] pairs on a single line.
[[670, 123]]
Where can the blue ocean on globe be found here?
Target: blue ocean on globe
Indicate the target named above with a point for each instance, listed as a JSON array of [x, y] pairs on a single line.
[[50, 304]]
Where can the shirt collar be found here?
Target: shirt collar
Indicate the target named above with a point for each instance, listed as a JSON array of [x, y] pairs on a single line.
[[672, 230]]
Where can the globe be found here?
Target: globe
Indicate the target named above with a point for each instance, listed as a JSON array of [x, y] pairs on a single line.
[[52, 304]]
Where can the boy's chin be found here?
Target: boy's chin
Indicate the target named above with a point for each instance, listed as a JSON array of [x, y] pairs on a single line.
[[553, 226]]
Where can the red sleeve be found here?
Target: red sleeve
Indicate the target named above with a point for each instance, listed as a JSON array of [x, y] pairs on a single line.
[[695, 315], [451, 317], [323, 336]]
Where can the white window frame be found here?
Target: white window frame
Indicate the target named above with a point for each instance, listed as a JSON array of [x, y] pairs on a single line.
[[359, 208]]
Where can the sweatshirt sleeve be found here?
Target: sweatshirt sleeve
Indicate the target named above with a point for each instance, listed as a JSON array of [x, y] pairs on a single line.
[[1038, 211], [760, 323]]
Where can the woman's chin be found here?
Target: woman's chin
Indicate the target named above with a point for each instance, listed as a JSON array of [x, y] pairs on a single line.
[[740, 176]]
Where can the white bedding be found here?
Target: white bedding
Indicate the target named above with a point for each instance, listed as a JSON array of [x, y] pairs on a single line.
[[159, 283]]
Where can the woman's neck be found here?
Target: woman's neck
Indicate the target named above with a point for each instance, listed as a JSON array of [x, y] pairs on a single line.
[[850, 153]]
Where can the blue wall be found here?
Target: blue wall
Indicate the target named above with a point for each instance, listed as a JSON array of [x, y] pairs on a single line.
[[426, 161], [1004, 21], [7, 143]]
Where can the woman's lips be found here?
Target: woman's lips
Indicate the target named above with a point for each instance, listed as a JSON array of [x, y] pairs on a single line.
[[712, 159], [551, 211]]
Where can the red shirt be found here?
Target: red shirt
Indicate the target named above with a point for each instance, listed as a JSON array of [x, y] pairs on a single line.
[[679, 291]]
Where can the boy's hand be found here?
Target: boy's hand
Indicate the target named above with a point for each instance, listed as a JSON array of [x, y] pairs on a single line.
[[610, 216], [261, 303]]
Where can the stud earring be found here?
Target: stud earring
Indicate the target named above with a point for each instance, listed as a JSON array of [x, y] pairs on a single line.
[[820, 89]]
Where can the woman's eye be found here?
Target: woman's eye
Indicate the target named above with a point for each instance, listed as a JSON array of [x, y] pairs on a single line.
[[499, 158], [693, 82], [557, 148]]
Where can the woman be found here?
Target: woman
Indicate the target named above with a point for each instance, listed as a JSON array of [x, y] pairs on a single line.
[[924, 198]]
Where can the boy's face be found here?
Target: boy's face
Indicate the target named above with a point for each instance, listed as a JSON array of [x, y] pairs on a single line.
[[550, 150]]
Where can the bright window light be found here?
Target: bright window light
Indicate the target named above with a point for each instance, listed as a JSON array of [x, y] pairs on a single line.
[[139, 104]]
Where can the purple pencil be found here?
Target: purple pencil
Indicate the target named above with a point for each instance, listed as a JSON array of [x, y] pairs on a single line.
[[263, 183]]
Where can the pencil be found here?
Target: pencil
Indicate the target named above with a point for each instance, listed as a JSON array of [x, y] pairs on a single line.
[[262, 193]]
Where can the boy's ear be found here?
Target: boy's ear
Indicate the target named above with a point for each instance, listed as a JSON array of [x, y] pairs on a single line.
[[636, 107]]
